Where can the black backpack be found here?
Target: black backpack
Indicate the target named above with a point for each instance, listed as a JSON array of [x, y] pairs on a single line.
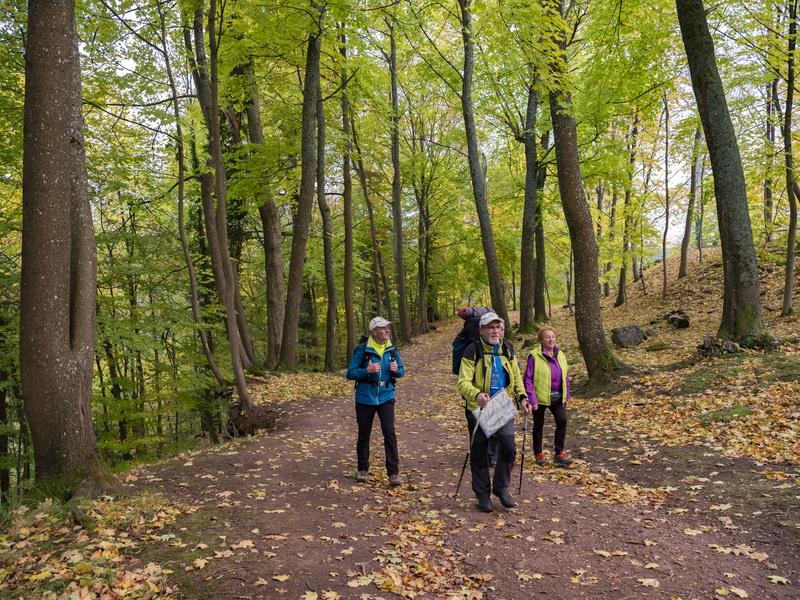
[[470, 332]]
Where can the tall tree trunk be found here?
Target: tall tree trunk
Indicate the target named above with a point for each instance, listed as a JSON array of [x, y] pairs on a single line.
[[347, 203], [612, 223], [791, 239], [180, 158], [741, 304], [204, 72], [57, 299], [540, 314], [271, 229], [772, 96], [527, 260], [628, 222], [379, 282], [327, 241], [599, 358], [694, 189], [666, 200], [302, 217], [701, 212], [404, 328], [476, 171]]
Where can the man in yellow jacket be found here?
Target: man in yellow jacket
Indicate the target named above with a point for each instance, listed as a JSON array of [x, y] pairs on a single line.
[[488, 366]]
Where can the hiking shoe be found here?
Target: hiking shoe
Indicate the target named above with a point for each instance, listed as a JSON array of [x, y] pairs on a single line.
[[506, 499], [394, 480], [485, 504], [562, 459], [361, 477], [540, 458]]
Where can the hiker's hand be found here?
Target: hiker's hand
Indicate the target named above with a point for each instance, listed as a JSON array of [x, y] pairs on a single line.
[[393, 366], [482, 399], [373, 367], [526, 406]]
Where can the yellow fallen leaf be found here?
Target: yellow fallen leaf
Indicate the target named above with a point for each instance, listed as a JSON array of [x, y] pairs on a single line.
[[40, 576], [310, 596], [280, 578], [739, 592], [651, 566], [649, 582], [243, 544], [359, 581], [778, 579], [199, 563], [721, 591], [330, 595], [261, 581], [604, 553], [690, 531]]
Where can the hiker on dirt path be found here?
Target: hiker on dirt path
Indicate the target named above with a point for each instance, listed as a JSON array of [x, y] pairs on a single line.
[[547, 385], [375, 366], [487, 367]]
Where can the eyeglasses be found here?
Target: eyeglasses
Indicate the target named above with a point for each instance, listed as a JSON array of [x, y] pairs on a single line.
[[498, 327]]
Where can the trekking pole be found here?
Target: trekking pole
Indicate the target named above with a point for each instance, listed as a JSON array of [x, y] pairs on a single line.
[[522, 462], [469, 449]]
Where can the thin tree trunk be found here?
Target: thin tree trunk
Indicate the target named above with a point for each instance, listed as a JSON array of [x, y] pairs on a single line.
[[476, 171], [694, 189], [527, 259], [404, 326], [772, 94], [302, 217], [628, 218], [204, 72], [540, 314], [347, 202], [791, 239], [57, 298], [612, 223], [666, 200], [701, 213], [327, 241], [741, 304]]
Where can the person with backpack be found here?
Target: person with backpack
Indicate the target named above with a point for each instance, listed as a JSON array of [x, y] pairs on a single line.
[[488, 366], [375, 366], [547, 385]]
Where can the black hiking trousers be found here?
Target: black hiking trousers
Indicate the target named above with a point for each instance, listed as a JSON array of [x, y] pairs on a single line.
[[479, 457], [365, 414], [560, 414]]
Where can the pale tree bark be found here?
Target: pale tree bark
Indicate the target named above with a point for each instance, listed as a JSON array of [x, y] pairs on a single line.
[[627, 225], [302, 216], [791, 239], [741, 304], [694, 190], [403, 328], [600, 360], [180, 159], [270, 226], [530, 210], [666, 200], [57, 300], [347, 204], [327, 241], [771, 90], [204, 73], [540, 314], [496, 291]]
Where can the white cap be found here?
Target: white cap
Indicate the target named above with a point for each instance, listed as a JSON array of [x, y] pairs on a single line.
[[490, 317], [378, 322]]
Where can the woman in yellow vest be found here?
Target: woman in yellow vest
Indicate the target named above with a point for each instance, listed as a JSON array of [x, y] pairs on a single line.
[[547, 385]]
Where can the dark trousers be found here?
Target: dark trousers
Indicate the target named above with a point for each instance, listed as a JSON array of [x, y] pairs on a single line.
[[365, 414], [479, 457], [560, 413]]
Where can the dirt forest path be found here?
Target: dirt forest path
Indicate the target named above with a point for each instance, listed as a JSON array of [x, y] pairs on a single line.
[[281, 516]]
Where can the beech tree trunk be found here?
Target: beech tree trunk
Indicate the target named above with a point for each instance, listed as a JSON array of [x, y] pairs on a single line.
[[694, 189], [540, 314], [57, 312], [302, 217], [271, 229], [403, 328], [791, 239], [741, 303], [347, 203], [628, 218], [530, 209], [327, 242], [496, 291], [666, 200]]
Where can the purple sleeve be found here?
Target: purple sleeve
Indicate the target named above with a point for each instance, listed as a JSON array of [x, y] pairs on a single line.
[[527, 381]]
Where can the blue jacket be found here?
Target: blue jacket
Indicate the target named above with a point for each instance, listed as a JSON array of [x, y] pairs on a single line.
[[374, 388]]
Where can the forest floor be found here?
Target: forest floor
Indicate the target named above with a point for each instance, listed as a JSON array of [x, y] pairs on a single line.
[[686, 485]]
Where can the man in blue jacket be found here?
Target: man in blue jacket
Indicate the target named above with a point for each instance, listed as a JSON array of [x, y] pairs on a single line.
[[375, 366]]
